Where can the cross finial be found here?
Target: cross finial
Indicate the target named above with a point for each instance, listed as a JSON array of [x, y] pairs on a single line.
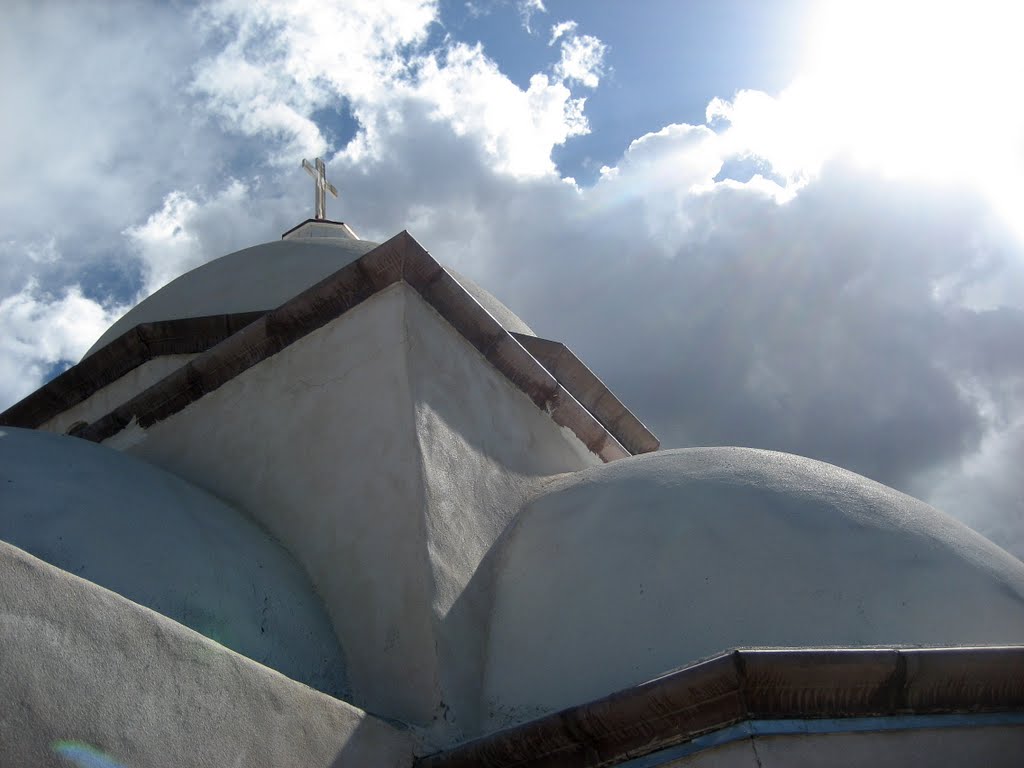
[[323, 186]]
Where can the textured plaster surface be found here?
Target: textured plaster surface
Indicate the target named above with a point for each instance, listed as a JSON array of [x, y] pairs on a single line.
[[320, 449], [81, 664], [483, 446], [387, 455], [104, 400], [995, 746], [621, 572], [167, 545]]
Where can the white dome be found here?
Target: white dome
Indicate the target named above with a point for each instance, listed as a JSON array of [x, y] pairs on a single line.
[[262, 278], [165, 544], [621, 572]]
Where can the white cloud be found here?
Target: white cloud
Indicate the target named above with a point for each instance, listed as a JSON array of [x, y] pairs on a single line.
[[42, 329], [560, 29], [527, 9], [125, 108], [908, 89], [516, 128], [283, 60], [582, 59], [164, 242], [178, 237]]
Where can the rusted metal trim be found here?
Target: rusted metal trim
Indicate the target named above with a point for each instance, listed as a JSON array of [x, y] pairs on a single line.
[[400, 258], [128, 351], [753, 684], [573, 374]]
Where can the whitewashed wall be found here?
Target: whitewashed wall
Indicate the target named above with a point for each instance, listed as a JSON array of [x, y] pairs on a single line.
[[81, 664], [387, 455], [104, 400], [617, 574]]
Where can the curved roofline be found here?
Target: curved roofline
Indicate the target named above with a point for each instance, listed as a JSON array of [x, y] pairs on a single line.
[[258, 278]]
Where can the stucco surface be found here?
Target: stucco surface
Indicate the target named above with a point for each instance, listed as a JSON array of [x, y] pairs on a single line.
[[104, 400], [618, 573], [165, 544], [387, 454], [81, 664], [483, 446], [320, 440]]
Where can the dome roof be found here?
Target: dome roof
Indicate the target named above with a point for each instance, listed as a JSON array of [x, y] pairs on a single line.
[[621, 572], [262, 278], [165, 544]]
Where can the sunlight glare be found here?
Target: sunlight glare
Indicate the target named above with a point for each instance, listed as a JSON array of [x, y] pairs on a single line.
[[923, 88]]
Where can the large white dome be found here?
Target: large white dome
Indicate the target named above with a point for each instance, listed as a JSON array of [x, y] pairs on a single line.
[[141, 532], [263, 277], [618, 573]]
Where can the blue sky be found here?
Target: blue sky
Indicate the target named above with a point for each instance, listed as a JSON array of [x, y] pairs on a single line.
[[792, 225], [665, 59]]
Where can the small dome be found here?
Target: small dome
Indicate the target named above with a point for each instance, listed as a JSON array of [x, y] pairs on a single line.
[[622, 572], [251, 280], [165, 544], [509, 320], [262, 278]]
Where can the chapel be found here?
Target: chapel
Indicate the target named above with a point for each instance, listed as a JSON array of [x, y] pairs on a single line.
[[326, 502]]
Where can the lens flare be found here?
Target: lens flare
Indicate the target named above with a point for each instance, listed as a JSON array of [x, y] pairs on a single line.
[[85, 755]]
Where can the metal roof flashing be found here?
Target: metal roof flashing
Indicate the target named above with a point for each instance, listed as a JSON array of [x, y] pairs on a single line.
[[317, 228]]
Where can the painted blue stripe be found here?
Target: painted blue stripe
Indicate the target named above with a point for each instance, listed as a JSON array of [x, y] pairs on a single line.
[[749, 728]]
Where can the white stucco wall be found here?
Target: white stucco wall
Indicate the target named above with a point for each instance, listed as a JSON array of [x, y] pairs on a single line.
[[163, 543], [104, 400], [387, 454], [621, 572], [315, 443], [483, 445], [81, 664]]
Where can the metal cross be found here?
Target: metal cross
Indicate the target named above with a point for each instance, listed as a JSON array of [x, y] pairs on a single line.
[[323, 186]]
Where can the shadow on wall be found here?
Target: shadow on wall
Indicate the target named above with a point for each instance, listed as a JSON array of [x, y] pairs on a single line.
[[471, 612], [196, 559]]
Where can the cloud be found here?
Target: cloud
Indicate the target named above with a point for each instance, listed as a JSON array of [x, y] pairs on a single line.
[[283, 60], [517, 128], [42, 330], [582, 59], [181, 235], [527, 9], [560, 29], [82, 159]]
